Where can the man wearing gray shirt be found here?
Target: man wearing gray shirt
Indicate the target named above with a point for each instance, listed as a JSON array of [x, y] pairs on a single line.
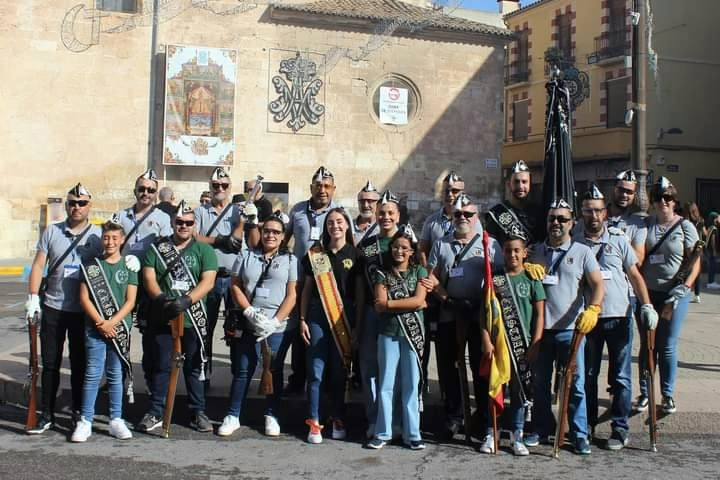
[[62, 247], [307, 220], [222, 224], [620, 213], [618, 265], [568, 264]]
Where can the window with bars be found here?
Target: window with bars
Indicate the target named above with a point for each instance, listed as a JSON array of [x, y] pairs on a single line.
[[616, 102], [520, 120], [122, 6]]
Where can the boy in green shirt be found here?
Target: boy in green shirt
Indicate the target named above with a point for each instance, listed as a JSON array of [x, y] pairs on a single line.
[[107, 296]]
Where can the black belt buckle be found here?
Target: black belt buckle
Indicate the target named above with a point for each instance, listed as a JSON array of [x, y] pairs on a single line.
[[222, 272]]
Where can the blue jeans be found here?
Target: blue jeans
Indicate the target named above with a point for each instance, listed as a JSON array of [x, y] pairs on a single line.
[[666, 340], [163, 343], [555, 346], [617, 332], [394, 353], [101, 357], [368, 356], [244, 356], [220, 292], [322, 353], [516, 410]]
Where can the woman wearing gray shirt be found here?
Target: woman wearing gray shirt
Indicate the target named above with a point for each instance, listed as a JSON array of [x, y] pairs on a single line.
[[670, 239], [263, 289]]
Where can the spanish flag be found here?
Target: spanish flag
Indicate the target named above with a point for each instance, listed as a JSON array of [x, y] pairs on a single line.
[[498, 369]]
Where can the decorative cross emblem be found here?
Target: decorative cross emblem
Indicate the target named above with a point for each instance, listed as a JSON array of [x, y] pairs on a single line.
[[297, 94]]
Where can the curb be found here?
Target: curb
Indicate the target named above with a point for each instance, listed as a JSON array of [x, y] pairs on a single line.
[[14, 271]]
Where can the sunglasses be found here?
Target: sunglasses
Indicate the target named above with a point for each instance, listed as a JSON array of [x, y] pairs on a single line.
[[78, 203], [184, 223], [666, 198], [149, 190], [560, 219], [218, 185], [467, 215], [267, 231], [626, 191]]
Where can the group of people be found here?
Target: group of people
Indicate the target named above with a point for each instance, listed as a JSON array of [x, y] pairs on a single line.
[[365, 298]]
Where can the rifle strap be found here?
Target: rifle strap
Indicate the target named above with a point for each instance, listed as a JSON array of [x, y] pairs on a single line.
[[135, 227], [218, 219], [663, 238], [72, 247]]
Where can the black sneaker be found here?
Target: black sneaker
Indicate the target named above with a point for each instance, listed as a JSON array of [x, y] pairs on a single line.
[[617, 441], [668, 405], [376, 444], [582, 446], [201, 423], [148, 423], [45, 423], [642, 403], [417, 445]]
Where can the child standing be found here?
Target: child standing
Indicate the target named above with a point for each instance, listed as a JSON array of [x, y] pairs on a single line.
[[400, 299], [108, 284]]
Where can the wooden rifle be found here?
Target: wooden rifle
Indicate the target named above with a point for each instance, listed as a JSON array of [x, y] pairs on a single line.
[[178, 359], [33, 373], [682, 275], [567, 372], [649, 374], [266, 379]]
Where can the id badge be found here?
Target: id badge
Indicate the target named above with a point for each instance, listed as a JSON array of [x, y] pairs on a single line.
[[262, 292], [656, 259], [606, 274], [71, 271], [180, 285], [550, 280], [314, 233], [456, 272]]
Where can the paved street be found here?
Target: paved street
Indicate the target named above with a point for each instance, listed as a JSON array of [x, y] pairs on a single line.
[[688, 443]]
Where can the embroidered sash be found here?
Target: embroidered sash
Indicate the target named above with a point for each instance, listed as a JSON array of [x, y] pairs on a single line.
[[516, 334], [508, 222], [107, 306], [332, 303], [179, 273]]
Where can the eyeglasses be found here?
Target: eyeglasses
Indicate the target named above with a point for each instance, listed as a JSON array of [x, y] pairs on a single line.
[[185, 223], [592, 211], [218, 185], [78, 203], [467, 215], [400, 248], [267, 231], [149, 190], [560, 219]]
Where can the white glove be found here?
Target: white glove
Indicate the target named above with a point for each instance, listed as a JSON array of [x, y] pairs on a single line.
[[250, 212], [132, 263], [677, 293], [267, 328], [250, 313], [32, 306], [649, 316]]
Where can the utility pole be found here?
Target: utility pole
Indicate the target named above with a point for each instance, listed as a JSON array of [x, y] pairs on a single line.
[[639, 120]]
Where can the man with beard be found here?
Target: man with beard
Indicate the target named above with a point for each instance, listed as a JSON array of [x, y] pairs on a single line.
[[518, 216], [224, 225], [62, 248], [618, 265], [364, 223], [620, 213], [569, 265], [306, 227], [458, 262]]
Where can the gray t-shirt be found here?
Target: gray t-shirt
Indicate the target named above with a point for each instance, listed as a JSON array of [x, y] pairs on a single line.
[[63, 286], [205, 216], [466, 280], [437, 225], [269, 295], [157, 224], [567, 264], [660, 267], [306, 226], [615, 256], [632, 225]]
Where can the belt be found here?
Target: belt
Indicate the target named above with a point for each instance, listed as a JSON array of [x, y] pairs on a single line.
[[223, 273]]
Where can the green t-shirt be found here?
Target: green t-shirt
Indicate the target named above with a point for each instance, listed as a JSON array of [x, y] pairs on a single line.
[[389, 324], [199, 257], [119, 277], [527, 292]]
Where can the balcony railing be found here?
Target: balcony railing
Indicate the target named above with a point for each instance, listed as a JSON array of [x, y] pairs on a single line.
[[517, 72], [613, 44]]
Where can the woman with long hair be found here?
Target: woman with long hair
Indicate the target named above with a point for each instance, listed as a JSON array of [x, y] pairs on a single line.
[[691, 212]]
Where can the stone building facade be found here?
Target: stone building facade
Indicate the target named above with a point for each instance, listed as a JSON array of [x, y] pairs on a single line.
[[84, 100]]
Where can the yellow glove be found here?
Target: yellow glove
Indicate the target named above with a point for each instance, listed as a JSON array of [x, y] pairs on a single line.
[[588, 319], [535, 270]]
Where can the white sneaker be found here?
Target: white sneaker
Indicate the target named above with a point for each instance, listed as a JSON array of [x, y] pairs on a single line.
[[83, 430], [315, 432], [229, 425], [119, 430], [713, 286], [518, 445], [695, 299], [488, 445], [338, 430], [272, 428]]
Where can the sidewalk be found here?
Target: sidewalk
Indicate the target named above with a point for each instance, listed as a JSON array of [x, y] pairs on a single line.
[[15, 269], [697, 390]]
